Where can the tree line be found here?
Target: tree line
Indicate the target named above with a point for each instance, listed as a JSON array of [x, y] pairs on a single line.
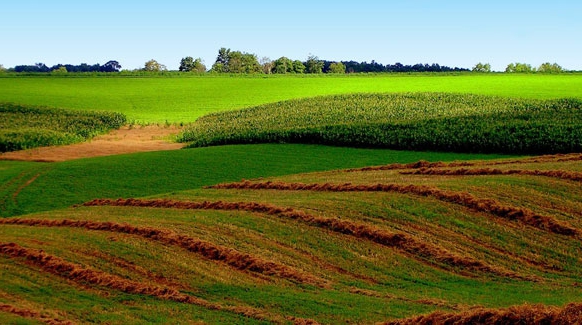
[[237, 62]]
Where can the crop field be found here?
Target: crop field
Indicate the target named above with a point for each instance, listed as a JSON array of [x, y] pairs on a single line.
[[184, 99], [294, 206]]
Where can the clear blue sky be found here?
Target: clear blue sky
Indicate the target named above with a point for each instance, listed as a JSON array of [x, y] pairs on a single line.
[[453, 33]]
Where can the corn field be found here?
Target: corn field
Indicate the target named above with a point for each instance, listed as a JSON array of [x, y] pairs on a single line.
[[419, 121]]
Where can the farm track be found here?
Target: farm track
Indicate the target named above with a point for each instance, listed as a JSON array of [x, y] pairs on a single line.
[[426, 164], [229, 256], [82, 275], [491, 206], [526, 314], [399, 241], [559, 174], [33, 314]]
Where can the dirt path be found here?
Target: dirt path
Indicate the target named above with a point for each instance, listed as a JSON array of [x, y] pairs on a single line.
[[124, 140]]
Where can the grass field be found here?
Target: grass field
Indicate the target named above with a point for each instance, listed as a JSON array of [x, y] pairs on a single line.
[[158, 99], [280, 250], [287, 233]]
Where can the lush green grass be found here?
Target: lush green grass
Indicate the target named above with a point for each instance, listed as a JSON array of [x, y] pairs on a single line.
[[58, 185], [23, 127], [365, 282], [411, 121], [184, 99]]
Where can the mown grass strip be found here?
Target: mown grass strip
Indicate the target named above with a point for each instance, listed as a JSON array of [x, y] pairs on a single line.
[[525, 314], [559, 174], [81, 275], [33, 314], [465, 199], [400, 241], [229, 256]]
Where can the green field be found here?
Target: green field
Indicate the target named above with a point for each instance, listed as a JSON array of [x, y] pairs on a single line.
[[184, 99], [409, 121], [294, 233]]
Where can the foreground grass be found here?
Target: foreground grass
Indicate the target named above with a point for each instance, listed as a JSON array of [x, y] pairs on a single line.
[[332, 275], [158, 99], [32, 187]]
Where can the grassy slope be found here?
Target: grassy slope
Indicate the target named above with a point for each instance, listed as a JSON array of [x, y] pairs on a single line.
[[362, 281], [58, 185], [185, 99]]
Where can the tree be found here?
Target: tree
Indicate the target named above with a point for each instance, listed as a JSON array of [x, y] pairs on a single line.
[[480, 67], [337, 67], [266, 64], [154, 66], [314, 65], [60, 70], [236, 62], [190, 64], [2, 69], [283, 65], [519, 68], [298, 66], [110, 66], [550, 68]]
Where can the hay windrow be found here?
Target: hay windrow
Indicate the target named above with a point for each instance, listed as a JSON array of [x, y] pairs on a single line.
[[33, 314], [398, 241], [525, 314], [439, 164], [560, 174], [82, 275], [465, 199], [229, 256]]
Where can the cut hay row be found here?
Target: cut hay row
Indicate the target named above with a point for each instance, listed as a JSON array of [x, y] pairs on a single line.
[[560, 174], [32, 314], [229, 256], [82, 275], [465, 199], [440, 164], [398, 241], [526, 314]]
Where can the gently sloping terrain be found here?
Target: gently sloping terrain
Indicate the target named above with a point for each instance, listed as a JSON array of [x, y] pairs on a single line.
[[329, 247]]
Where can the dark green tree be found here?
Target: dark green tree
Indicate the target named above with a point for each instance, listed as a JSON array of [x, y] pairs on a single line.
[[337, 67], [313, 64]]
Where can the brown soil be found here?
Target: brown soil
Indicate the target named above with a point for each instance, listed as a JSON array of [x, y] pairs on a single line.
[[398, 241], [465, 199], [122, 141], [526, 314]]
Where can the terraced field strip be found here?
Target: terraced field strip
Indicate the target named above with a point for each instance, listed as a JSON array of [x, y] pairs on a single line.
[[439, 164], [560, 174], [398, 241], [465, 199], [526, 314], [33, 314], [82, 275], [229, 256]]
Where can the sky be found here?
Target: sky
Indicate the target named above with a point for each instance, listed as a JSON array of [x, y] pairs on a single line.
[[452, 33]]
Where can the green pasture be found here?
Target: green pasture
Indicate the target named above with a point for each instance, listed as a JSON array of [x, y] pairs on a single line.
[[59, 185], [184, 99]]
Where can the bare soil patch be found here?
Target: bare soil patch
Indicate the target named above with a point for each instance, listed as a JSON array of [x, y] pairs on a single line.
[[122, 141]]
